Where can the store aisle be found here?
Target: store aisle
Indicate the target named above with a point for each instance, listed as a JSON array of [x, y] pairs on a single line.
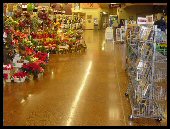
[[77, 89]]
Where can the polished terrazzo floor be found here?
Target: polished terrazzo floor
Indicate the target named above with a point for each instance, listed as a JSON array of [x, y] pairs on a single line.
[[77, 89]]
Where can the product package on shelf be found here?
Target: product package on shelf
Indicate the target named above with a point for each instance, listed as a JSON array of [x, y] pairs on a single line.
[[120, 34], [139, 70], [161, 41]]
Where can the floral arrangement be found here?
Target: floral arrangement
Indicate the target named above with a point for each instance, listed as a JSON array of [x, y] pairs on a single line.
[[42, 35], [33, 68], [41, 48], [7, 31], [41, 56], [31, 58], [34, 24], [5, 76], [78, 36], [43, 15], [7, 72], [50, 44], [29, 51], [8, 67], [35, 48], [14, 42], [41, 63], [20, 75], [21, 35], [17, 14], [10, 22]]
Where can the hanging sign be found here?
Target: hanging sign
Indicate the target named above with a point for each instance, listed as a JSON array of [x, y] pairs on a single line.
[[115, 6], [142, 20]]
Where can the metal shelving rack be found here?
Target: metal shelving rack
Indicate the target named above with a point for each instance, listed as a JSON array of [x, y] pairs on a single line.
[[147, 69]]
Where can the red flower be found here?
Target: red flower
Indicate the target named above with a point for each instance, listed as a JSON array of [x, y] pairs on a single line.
[[14, 42], [20, 75], [5, 76], [33, 68], [21, 24], [41, 70], [8, 67], [41, 56], [29, 51]]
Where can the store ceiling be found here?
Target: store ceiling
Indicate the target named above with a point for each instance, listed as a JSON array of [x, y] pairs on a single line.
[[133, 4], [104, 5], [124, 5]]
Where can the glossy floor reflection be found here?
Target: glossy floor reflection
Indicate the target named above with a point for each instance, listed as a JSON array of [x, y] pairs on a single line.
[[78, 89]]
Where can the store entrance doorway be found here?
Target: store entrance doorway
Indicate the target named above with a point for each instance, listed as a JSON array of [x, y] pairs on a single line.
[[96, 24], [104, 20]]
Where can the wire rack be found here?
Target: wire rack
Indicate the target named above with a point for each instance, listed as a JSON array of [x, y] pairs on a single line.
[[147, 70]]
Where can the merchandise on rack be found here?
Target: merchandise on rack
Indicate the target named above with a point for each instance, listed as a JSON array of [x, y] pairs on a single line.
[[120, 34], [161, 41], [147, 70]]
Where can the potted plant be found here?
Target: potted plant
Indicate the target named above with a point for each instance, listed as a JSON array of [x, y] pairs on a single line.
[[33, 69], [19, 76]]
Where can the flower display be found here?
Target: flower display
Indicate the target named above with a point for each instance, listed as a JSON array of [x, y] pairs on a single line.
[[10, 22], [21, 24], [8, 67], [41, 56], [29, 51], [43, 35], [5, 76], [33, 35], [31, 58], [33, 68], [15, 41], [41, 63], [19, 34], [20, 75]]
